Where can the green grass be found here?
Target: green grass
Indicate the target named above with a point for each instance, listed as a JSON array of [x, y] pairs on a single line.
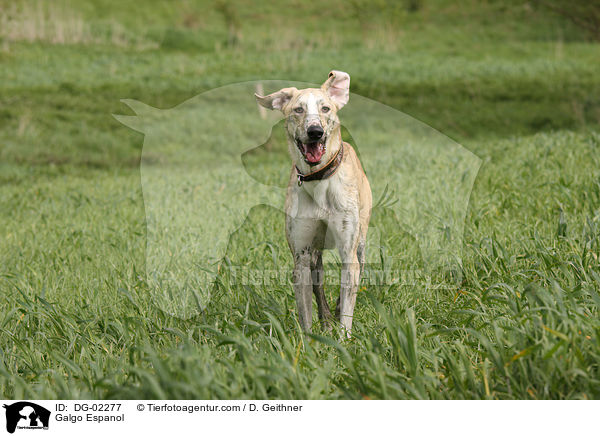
[[514, 85]]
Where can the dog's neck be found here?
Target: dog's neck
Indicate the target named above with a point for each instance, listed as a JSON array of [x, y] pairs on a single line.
[[333, 144]]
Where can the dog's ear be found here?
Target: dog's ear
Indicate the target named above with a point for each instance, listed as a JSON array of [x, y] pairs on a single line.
[[277, 100], [337, 86]]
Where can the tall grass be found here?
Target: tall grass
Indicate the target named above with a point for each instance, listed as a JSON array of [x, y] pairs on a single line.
[[77, 319]]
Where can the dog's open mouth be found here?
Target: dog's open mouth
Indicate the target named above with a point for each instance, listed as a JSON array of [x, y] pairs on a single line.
[[312, 151]]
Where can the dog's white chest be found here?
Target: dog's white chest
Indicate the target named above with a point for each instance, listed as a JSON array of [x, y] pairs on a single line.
[[321, 199], [311, 200], [318, 192]]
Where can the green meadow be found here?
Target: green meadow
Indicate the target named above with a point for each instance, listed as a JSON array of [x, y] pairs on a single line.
[[512, 82]]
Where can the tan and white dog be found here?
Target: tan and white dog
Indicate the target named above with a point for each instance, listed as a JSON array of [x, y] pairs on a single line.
[[328, 204]]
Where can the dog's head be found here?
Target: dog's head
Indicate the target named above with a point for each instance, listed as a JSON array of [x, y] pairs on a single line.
[[311, 117]]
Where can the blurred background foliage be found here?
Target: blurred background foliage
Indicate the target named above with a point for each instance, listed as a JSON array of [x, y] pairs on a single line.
[[470, 69]]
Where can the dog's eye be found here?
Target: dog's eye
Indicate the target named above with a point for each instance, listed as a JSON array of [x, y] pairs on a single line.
[[325, 109], [298, 110]]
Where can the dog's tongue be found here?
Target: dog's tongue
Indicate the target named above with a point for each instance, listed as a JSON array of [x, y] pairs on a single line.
[[314, 152]]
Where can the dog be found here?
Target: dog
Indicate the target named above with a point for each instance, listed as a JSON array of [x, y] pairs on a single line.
[[328, 203]]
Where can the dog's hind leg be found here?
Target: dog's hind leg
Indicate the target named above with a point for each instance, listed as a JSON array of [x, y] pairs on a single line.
[[360, 253], [318, 275]]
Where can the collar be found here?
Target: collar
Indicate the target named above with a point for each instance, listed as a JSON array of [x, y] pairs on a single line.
[[327, 171]]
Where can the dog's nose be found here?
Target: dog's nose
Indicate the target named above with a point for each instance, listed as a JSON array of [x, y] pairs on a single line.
[[315, 132]]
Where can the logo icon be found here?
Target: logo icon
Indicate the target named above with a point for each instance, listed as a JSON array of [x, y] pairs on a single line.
[[26, 415]]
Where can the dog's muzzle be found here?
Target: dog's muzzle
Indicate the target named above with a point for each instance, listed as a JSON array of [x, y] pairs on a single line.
[[312, 152]]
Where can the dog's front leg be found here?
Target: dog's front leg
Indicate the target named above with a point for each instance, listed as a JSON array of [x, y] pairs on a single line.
[[348, 290], [318, 276], [347, 244], [303, 288]]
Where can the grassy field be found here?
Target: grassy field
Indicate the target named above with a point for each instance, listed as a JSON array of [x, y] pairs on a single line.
[[514, 84]]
